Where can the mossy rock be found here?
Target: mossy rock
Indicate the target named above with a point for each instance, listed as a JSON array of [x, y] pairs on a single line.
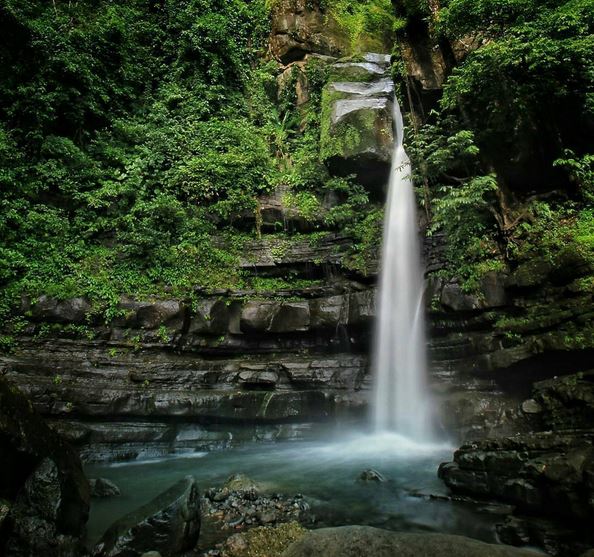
[[356, 137], [264, 541], [355, 71]]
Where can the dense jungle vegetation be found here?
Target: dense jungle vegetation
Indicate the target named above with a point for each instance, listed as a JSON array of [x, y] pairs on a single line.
[[134, 133], [507, 153]]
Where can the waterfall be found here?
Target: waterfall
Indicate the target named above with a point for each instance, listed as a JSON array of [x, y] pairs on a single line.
[[400, 363]]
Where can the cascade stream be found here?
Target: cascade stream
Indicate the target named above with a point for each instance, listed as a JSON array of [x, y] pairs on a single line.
[[401, 397]]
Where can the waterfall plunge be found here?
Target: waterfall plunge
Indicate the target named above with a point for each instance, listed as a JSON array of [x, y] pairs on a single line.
[[400, 364]]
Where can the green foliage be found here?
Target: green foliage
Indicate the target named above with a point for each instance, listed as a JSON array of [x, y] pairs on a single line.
[[368, 240], [464, 201], [552, 231], [581, 171], [532, 75], [368, 24], [306, 203], [130, 135], [517, 107]]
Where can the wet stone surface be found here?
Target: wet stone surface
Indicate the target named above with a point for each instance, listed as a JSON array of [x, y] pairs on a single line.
[[235, 510]]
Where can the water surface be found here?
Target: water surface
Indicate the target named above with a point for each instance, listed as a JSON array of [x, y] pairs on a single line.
[[325, 472]]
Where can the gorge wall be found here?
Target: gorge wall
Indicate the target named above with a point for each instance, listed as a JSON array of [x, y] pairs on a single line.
[[270, 362]]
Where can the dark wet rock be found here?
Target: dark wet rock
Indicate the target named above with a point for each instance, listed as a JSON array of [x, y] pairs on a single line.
[[41, 480], [52, 310], [549, 474], [241, 504], [531, 274], [165, 312], [299, 253], [363, 541], [452, 297], [328, 313], [569, 265], [426, 63], [170, 524], [566, 402], [491, 294], [493, 290], [102, 487], [371, 475], [150, 315], [291, 317], [211, 316], [256, 316], [553, 537], [362, 308]]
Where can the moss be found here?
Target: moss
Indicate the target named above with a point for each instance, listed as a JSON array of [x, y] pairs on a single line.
[[265, 541], [350, 73], [357, 132]]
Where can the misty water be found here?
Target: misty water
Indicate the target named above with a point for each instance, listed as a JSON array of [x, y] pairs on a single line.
[[325, 472]]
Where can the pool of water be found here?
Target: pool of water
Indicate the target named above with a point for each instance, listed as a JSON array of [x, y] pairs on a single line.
[[324, 471]]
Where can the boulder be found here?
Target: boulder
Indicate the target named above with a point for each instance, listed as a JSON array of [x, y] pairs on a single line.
[[371, 475], [240, 482], [364, 541], [566, 402], [453, 298], [362, 308], [149, 315], [300, 27], [493, 290], [291, 317], [72, 311], [263, 541], [165, 312], [169, 524], [42, 482], [256, 316], [546, 474], [328, 313], [357, 129], [530, 274], [212, 317], [101, 487], [357, 139]]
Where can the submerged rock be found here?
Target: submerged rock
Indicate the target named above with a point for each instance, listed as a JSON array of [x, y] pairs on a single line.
[[240, 482], [170, 524], [371, 476], [364, 541], [102, 487]]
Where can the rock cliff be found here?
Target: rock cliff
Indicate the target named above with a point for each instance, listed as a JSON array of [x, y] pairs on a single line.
[[269, 362]]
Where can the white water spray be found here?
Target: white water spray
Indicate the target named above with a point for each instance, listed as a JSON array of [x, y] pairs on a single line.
[[400, 363]]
